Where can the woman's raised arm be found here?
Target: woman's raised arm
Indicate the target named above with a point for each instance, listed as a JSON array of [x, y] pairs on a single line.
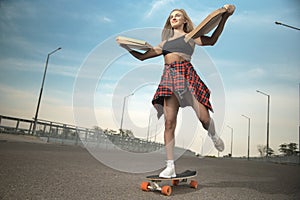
[[151, 53], [211, 40]]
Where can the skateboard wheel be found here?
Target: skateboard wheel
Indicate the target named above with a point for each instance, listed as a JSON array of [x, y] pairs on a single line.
[[175, 182], [166, 190], [145, 186], [194, 184]]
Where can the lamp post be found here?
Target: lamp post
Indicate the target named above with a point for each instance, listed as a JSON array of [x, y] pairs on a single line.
[[41, 91], [149, 121], [148, 131], [124, 101], [279, 23], [248, 135], [231, 139], [268, 120]]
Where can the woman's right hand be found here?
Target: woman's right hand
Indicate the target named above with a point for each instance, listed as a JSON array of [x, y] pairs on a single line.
[[230, 9], [123, 45]]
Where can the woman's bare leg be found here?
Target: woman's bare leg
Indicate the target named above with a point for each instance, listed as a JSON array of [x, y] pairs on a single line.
[[171, 107], [207, 123]]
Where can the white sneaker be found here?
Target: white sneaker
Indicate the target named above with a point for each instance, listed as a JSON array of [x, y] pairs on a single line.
[[168, 172], [218, 142]]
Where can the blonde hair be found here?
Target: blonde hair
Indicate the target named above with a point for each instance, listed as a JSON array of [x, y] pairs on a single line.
[[168, 31]]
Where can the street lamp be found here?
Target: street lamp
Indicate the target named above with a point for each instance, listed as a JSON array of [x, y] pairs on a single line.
[[231, 139], [149, 121], [248, 135], [41, 91], [279, 23], [124, 101], [148, 131], [268, 120]]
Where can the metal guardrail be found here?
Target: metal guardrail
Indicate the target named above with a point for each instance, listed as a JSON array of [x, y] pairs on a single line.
[[56, 132], [15, 125]]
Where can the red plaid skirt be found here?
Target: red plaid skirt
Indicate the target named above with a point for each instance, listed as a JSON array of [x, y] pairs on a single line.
[[181, 79]]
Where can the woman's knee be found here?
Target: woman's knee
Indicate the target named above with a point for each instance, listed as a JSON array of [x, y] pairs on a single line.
[[170, 125], [205, 121]]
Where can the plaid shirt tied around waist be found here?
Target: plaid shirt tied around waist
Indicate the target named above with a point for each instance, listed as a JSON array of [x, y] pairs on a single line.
[[179, 78]]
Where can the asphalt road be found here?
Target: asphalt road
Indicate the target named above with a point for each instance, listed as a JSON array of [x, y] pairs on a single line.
[[31, 170]]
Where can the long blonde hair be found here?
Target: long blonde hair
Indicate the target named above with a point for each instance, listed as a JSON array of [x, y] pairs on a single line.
[[168, 31]]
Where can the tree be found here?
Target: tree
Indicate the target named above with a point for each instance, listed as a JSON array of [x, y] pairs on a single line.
[[293, 147], [128, 133], [288, 149], [97, 129], [270, 151], [283, 149], [110, 132], [262, 149]]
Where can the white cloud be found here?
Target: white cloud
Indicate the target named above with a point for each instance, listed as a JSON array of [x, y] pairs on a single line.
[[33, 66], [14, 10], [157, 5], [22, 103], [106, 19], [16, 102]]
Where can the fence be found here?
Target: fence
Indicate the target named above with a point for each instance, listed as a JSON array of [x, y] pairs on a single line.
[[56, 132]]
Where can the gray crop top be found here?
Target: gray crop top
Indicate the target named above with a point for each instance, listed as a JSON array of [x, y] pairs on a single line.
[[177, 45]]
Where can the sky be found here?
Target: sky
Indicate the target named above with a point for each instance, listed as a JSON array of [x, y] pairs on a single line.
[[89, 77]]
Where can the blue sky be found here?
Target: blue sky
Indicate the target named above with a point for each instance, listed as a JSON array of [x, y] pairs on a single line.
[[252, 53]]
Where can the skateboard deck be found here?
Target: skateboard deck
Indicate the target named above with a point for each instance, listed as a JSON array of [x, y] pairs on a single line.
[[166, 189], [133, 43], [208, 24]]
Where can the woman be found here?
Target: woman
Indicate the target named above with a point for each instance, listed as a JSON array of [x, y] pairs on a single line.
[[180, 85]]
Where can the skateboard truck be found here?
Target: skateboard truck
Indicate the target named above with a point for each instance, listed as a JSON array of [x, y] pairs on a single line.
[[153, 185]]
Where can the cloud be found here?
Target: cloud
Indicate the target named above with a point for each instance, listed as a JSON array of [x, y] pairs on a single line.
[[26, 65], [15, 10], [157, 5], [255, 73], [252, 19], [22, 103], [104, 19], [16, 101]]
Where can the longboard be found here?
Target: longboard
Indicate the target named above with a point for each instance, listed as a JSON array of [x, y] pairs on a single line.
[[166, 189], [209, 23], [133, 43]]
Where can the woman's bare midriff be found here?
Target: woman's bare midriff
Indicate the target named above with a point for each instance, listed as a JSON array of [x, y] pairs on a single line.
[[173, 57]]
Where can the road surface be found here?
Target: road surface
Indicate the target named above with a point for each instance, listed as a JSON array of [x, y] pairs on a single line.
[[32, 169]]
